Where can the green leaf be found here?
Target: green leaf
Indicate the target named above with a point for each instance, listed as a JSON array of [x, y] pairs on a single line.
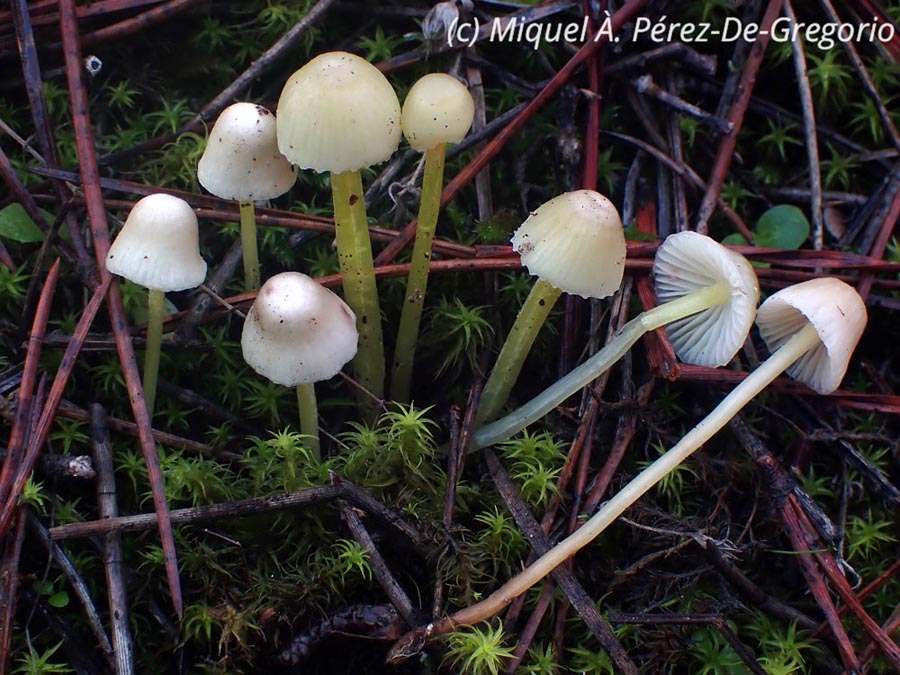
[[58, 600], [783, 226], [735, 239], [17, 225]]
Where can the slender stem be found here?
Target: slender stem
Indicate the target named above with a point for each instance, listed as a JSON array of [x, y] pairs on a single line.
[[351, 231], [248, 246], [518, 343], [156, 303], [309, 416], [599, 363], [754, 383], [417, 282]]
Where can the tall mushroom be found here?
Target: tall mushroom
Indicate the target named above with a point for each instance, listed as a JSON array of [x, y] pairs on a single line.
[[573, 243], [242, 162], [710, 296], [438, 110], [298, 332], [158, 248], [811, 329], [339, 114]]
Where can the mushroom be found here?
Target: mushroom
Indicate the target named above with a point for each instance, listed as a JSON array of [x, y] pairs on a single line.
[[298, 332], [242, 162], [711, 295], [812, 329], [338, 113], [438, 110], [573, 243], [158, 247]]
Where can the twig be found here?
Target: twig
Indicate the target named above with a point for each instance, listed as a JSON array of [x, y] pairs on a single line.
[[56, 555], [379, 566], [262, 64], [809, 130], [113, 553], [727, 145], [9, 586], [87, 160]]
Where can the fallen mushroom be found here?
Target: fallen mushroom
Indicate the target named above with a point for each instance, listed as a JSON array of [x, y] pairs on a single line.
[[158, 247], [573, 243], [811, 329], [242, 162], [438, 110], [709, 299], [339, 114], [298, 332]]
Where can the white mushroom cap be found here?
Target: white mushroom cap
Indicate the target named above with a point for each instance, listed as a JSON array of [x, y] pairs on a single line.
[[338, 113], [688, 261], [297, 331], [438, 109], [576, 243], [836, 312], [241, 160], [159, 245]]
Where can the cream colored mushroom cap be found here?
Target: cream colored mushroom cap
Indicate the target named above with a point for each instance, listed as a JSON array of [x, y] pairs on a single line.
[[838, 314], [159, 245], [576, 243], [338, 113], [438, 109], [688, 261], [241, 160], [298, 331]]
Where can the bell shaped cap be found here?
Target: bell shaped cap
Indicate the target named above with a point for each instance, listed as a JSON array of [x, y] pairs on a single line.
[[576, 243], [838, 314], [241, 160], [159, 245], [688, 261], [338, 113], [297, 331], [438, 109]]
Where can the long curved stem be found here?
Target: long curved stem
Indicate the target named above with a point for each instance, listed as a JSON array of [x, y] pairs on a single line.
[[309, 416], [518, 343], [417, 282], [599, 363], [249, 247], [156, 303], [351, 231], [754, 383]]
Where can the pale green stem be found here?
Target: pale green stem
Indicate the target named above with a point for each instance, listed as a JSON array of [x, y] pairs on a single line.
[[417, 282], [518, 343], [309, 416], [754, 383], [351, 232], [249, 249], [599, 363], [156, 304]]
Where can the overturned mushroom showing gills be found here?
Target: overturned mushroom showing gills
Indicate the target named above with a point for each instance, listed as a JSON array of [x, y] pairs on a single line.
[[338, 113], [242, 162], [573, 243], [298, 332], [438, 110], [158, 248], [709, 295], [811, 328]]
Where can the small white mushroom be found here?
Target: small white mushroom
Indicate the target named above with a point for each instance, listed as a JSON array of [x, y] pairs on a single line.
[[298, 332]]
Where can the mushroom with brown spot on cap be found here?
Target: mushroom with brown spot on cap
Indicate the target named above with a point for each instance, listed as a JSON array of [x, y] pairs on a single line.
[[573, 243], [438, 110], [242, 162], [158, 248], [338, 113], [298, 332]]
